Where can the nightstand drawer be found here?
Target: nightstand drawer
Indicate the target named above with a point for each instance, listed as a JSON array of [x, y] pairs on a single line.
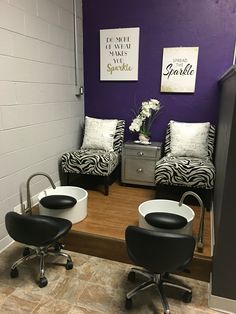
[[140, 152], [138, 170]]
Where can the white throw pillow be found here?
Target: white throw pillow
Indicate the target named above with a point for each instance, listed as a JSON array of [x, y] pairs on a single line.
[[189, 139], [99, 133]]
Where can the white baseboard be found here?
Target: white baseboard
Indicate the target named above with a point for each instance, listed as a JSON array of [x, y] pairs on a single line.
[[221, 304], [5, 243]]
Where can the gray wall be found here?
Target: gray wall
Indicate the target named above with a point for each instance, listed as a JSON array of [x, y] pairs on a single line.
[[40, 116]]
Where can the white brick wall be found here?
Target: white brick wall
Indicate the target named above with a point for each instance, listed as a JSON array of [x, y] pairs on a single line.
[[40, 116]]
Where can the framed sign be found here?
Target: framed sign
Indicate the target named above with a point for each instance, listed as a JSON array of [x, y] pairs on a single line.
[[119, 52], [179, 69]]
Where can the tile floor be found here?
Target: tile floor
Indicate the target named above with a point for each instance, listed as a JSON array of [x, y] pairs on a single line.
[[93, 286]]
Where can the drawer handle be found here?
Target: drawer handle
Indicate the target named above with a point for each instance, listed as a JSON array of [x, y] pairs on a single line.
[[140, 153], [139, 170]]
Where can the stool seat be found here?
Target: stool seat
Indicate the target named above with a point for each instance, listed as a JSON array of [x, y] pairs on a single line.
[[58, 201], [166, 220]]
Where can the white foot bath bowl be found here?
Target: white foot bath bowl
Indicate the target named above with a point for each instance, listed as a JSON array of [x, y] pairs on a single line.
[[75, 213], [166, 206]]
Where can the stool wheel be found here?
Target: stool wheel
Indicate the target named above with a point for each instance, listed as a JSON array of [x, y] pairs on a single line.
[[42, 282], [69, 265], [14, 273], [187, 297], [128, 304]]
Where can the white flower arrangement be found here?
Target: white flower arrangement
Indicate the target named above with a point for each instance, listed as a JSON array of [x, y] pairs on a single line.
[[147, 113]]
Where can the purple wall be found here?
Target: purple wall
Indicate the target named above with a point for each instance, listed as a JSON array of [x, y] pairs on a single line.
[[209, 24]]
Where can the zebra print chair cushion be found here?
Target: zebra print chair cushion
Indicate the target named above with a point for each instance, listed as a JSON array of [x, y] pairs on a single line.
[[94, 161], [186, 171]]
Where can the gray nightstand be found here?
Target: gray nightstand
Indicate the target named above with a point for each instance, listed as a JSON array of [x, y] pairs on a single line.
[[138, 163]]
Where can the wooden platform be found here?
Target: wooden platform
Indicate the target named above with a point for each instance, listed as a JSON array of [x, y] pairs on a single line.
[[102, 232]]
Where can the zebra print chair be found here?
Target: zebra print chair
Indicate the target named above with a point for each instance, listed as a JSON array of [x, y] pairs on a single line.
[[96, 164], [189, 172]]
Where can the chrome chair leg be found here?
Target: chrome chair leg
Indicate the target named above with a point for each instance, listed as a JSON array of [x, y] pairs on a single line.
[[42, 265], [159, 281], [41, 252], [141, 287], [175, 285], [142, 272], [69, 262], [163, 298], [67, 256], [21, 260]]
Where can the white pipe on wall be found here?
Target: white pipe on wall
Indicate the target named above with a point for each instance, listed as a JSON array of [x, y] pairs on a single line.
[[78, 89], [234, 57]]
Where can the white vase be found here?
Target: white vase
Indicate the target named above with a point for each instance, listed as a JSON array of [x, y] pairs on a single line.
[[144, 138]]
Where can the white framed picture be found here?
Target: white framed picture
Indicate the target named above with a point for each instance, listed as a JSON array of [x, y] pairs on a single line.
[[179, 69], [119, 54]]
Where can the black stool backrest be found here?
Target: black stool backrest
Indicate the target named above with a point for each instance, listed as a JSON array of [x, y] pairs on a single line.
[[33, 230], [159, 252]]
